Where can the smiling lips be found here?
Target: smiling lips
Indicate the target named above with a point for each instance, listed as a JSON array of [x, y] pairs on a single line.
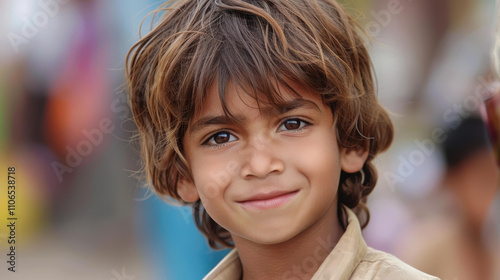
[[269, 200]]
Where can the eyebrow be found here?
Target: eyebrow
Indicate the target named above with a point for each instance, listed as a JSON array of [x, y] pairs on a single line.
[[267, 111]]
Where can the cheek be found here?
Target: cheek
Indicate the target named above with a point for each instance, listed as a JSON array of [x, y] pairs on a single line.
[[320, 159], [212, 175]]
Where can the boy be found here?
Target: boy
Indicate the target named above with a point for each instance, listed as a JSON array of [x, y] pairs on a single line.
[[263, 116]]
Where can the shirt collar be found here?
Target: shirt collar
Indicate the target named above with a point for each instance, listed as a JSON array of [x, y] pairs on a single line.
[[347, 254]]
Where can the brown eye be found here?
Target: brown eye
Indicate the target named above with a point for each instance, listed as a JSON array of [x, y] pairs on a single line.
[[293, 125], [220, 138]]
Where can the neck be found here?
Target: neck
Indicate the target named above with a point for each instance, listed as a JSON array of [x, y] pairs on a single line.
[[297, 258]]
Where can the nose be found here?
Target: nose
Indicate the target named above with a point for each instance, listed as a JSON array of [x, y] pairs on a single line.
[[261, 161]]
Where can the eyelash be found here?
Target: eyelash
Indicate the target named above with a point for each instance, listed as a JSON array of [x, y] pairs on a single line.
[[205, 143], [302, 122], [302, 125]]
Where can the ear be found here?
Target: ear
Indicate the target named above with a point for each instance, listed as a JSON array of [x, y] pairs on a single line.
[[352, 160], [187, 190]]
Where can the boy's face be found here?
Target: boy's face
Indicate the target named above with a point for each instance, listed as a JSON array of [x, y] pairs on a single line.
[[273, 173]]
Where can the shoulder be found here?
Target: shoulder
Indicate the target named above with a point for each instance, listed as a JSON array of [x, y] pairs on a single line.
[[376, 264]]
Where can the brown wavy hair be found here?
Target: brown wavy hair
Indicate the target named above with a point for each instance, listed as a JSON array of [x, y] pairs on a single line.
[[257, 45]]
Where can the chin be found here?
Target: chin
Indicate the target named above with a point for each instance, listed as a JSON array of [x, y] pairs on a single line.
[[271, 239], [270, 236]]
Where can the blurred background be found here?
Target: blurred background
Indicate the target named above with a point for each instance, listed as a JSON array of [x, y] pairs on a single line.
[[64, 126]]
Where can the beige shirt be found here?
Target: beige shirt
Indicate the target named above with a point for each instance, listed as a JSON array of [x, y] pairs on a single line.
[[350, 259]]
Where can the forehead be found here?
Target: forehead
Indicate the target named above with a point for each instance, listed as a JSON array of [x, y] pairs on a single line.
[[234, 100]]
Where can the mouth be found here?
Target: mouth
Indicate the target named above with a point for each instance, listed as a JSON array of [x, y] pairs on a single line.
[[268, 200]]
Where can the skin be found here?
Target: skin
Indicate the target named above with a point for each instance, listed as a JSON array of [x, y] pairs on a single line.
[[293, 153]]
